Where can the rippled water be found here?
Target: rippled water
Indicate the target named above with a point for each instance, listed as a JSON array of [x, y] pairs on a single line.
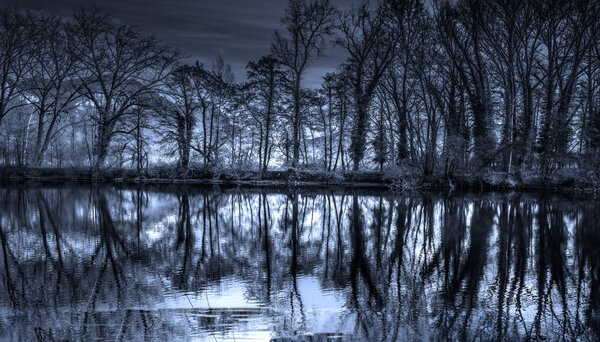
[[80, 263]]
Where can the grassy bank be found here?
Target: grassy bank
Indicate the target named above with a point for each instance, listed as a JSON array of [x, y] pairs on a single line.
[[171, 175]]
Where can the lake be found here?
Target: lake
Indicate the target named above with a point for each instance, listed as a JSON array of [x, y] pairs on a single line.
[[239, 264]]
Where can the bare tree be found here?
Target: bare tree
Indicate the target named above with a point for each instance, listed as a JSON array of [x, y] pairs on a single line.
[[202, 81], [567, 31], [139, 151], [265, 81], [342, 93], [308, 25], [499, 24], [409, 19], [51, 85], [328, 91], [380, 142], [222, 89], [461, 36], [118, 67], [17, 30], [370, 43], [528, 49], [177, 108]]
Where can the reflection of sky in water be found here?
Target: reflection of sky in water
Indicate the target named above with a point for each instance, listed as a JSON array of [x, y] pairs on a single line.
[[81, 264], [324, 310]]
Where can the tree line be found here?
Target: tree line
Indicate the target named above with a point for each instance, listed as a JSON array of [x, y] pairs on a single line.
[[443, 88]]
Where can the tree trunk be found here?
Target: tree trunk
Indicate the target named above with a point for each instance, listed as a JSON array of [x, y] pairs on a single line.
[[101, 148], [296, 123], [359, 133]]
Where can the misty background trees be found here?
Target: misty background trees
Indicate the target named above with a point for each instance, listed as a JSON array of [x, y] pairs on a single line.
[[436, 89]]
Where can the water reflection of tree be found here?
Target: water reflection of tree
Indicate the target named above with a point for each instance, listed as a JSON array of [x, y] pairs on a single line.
[[587, 241], [411, 267]]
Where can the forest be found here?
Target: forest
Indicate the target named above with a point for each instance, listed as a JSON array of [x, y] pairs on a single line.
[[441, 89]]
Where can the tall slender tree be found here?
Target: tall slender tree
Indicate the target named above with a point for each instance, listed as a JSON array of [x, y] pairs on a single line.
[[51, 85], [177, 111], [462, 38], [309, 24], [369, 41], [264, 78]]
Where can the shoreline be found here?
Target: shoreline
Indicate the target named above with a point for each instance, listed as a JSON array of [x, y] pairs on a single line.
[[289, 178]]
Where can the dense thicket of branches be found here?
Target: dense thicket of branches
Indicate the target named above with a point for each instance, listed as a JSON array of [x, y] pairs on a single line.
[[457, 87]]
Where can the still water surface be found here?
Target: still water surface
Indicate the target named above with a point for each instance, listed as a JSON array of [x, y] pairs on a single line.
[[80, 263]]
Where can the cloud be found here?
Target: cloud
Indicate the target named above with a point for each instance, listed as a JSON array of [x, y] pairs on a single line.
[[238, 30]]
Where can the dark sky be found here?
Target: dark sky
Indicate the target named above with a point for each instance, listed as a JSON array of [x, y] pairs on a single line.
[[238, 30]]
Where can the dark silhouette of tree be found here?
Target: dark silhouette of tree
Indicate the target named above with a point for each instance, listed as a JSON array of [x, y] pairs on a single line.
[[380, 143], [567, 30], [367, 38], [309, 24], [463, 40], [264, 80], [50, 84], [17, 32], [117, 67], [448, 91], [177, 111]]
